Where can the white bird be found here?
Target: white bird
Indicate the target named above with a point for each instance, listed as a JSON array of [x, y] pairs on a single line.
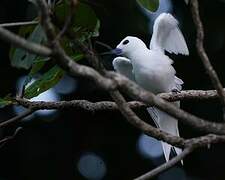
[[153, 70]]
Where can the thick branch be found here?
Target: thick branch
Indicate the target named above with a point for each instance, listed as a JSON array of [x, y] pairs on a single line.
[[77, 104]]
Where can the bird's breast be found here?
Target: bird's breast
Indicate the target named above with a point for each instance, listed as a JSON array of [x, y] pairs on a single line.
[[154, 77]]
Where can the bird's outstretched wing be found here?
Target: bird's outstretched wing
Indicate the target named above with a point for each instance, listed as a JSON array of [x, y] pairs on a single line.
[[123, 66], [167, 35]]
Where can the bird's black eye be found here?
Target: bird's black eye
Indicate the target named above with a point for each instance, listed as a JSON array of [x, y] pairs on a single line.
[[125, 42]]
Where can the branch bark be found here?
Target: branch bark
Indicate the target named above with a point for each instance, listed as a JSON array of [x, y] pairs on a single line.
[[203, 55], [111, 106]]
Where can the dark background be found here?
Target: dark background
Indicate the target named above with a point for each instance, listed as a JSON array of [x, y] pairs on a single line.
[[74, 144]]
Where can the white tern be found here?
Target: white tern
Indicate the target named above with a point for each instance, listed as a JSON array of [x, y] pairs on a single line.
[[153, 70]]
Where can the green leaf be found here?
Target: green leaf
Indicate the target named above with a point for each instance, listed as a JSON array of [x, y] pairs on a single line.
[[48, 80], [77, 57], [85, 23], [151, 5], [19, 57], [36, 67], [85, 18], [5, 102]]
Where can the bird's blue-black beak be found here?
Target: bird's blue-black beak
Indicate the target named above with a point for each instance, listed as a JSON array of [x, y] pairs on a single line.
[[117, 51]]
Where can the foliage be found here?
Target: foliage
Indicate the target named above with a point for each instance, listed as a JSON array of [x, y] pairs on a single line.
[[151, 5], [5, 101], [46, 81], [84, 25], [21, 58]]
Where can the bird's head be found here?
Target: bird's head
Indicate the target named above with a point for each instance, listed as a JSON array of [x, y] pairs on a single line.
[[129, 45]]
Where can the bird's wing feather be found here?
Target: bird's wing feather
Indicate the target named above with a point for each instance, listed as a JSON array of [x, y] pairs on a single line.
[[168, 124], [167, 36], [123, 66], [178, 84]]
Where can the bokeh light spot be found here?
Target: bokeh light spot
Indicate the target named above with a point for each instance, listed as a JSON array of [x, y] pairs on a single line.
[[91, 166]]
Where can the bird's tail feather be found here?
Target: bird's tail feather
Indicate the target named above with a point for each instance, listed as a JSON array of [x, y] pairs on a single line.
[[168, 124]]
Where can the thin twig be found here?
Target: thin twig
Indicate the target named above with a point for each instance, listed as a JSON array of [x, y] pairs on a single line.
[[203, 55], [16, 118], [190, 145], [8, 138], [166, 166], [19, 24]]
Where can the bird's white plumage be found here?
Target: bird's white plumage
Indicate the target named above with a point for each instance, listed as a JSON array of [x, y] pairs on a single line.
[[166, 123], [124, 67], [153, 70], [167, 36]]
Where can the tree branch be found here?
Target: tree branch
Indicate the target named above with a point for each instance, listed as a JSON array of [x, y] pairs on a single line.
[[13, 24], [166, 166], [190, 145], [8, 138], [111, 106], [20, 42], [77, 104], [16, 118], [202, 53]]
